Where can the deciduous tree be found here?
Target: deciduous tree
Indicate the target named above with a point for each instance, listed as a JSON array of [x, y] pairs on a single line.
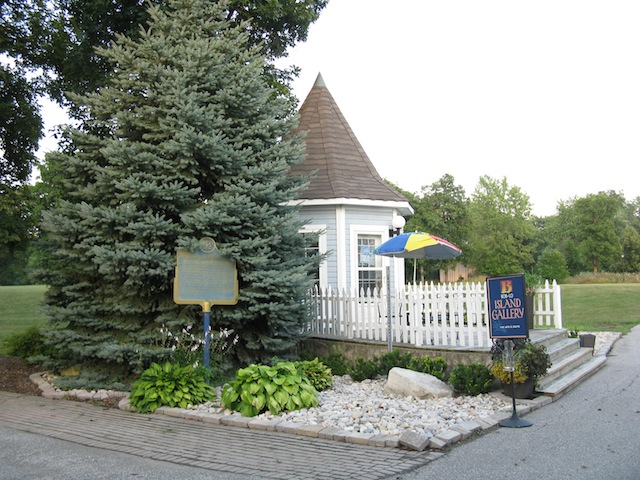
[[501, 228]]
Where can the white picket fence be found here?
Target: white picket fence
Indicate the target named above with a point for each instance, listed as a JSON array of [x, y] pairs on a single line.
[[448, 315]]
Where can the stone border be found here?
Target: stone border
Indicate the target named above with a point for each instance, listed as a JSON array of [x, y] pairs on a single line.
[[409, 440], [49, 391]]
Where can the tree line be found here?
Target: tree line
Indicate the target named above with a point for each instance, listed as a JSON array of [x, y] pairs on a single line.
[[499, 235]]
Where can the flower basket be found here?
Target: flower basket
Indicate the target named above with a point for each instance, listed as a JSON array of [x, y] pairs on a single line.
[[532, 362], [522, 390]]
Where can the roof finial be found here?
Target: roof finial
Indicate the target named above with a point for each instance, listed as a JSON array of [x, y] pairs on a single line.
[[320, 81]]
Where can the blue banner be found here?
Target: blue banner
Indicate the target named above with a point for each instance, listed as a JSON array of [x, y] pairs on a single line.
[[505, 302]]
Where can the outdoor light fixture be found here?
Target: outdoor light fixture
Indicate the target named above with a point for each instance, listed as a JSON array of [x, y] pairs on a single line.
[[397, 223]]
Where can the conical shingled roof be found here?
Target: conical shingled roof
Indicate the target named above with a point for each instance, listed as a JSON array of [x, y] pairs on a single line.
[[343, 169]]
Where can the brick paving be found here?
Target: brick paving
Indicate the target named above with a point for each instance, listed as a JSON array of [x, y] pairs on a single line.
[[267, 454]]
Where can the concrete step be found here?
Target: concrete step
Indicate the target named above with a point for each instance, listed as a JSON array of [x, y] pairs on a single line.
[[572, 378], [565, 364], [562, 348], [570, 364], [547, 337]]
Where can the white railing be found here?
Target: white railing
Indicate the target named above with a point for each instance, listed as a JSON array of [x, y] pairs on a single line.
[[450, 315]]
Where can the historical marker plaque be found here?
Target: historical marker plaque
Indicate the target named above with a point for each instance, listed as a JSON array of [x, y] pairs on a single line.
[[205, 276]]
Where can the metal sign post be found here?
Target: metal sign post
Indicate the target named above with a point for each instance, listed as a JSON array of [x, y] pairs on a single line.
[[509, 363], [206, 278], [507, 320]]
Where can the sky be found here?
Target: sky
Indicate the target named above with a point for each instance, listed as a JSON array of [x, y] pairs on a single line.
[[545, 93]]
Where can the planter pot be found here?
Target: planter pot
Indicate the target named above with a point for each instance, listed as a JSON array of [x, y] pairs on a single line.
[[528, 310], [588, 340], [523, 390]]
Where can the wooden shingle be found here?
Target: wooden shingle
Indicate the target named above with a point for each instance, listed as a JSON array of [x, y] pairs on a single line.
[[343, 169]]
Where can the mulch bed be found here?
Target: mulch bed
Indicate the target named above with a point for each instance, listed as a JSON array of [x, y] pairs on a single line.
[[14, 376]]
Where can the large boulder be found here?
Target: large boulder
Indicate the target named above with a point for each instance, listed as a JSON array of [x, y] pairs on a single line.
[[403, 382]]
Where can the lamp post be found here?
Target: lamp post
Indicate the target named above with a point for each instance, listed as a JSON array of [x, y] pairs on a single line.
[[397, 223]]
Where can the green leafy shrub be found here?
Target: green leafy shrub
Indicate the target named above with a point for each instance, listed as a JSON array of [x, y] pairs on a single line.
[[171, 385], [26, 344], [319, 375], [436, 366], [337, 362], [91, 379], [258, 388], [389, 360], [472, 379], [363, 369]]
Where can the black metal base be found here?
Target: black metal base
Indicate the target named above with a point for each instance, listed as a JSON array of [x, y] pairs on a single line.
[[515, 422]]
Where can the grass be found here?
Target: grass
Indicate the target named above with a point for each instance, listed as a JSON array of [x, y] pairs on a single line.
[[601, 307], [20, 309], [586, 307]]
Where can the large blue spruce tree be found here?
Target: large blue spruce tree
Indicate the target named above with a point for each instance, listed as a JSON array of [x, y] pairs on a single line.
[[188, 140]]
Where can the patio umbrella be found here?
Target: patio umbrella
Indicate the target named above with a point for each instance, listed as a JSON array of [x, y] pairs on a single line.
[[418, 245]]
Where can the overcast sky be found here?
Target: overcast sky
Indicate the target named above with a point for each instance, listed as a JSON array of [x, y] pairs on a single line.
[[546, 93]]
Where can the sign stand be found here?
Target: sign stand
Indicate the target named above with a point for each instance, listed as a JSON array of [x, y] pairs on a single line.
[[507, 320], [509, 362], [205, 278]]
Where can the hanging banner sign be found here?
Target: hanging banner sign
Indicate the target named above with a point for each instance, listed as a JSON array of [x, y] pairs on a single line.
[[506, 305], [205, 277]]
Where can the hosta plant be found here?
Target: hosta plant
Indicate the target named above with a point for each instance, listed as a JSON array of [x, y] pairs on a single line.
[[258, 388], [319, 375], [169, 385]]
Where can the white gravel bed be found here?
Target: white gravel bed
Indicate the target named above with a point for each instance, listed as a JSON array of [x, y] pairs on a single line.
[[361, 407]]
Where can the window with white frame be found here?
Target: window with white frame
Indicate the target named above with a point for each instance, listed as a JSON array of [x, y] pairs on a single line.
[[316, 246], [369, 265]]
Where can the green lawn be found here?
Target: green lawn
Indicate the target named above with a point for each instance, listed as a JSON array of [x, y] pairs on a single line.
[[613, 307], [20, 309]]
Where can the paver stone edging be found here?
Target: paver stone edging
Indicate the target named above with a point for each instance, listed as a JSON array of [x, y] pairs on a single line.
[[410, 440]]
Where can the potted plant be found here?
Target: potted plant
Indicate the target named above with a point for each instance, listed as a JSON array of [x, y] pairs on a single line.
[[586, 339], [531, 362]]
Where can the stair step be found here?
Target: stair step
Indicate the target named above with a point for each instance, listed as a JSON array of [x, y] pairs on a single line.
[[563, 348], [572, 378], [567, 363], [547, 337]]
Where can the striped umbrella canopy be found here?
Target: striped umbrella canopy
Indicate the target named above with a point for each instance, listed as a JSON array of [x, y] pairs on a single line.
[[418, 245]]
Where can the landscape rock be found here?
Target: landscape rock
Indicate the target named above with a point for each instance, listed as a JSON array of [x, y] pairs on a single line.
[[409, 383]]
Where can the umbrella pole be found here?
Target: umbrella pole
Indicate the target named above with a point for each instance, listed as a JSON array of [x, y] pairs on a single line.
[[415, 261], [389, 339]]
